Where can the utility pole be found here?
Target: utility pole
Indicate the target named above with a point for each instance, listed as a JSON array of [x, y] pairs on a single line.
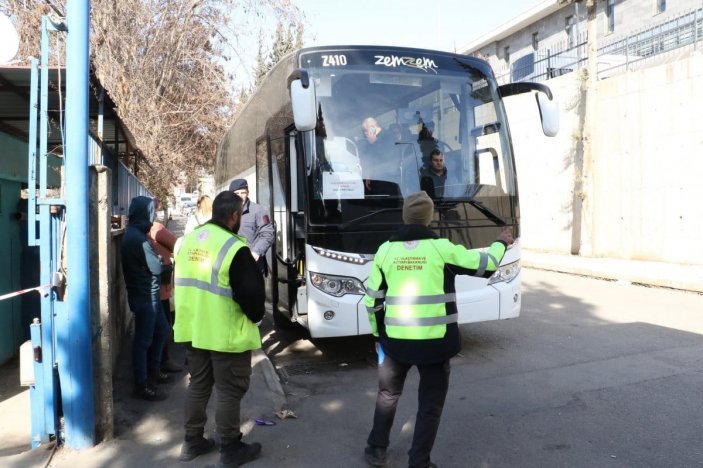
[[76, 375]]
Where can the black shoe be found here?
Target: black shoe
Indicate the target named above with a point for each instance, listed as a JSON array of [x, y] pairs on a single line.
[[170, 367], [159, 377], [431, 465], [148, 392], [235, 453], [194, 447], [375, 456]]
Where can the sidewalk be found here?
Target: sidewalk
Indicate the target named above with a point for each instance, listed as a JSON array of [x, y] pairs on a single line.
[[667, 275], [147, 434]]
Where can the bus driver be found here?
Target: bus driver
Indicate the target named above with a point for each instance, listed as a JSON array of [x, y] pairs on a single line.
[[376, 155]]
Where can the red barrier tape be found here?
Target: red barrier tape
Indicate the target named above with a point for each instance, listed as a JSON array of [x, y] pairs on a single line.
[[43, 290]]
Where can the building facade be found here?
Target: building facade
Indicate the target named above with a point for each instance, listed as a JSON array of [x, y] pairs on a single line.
[[551, 38]]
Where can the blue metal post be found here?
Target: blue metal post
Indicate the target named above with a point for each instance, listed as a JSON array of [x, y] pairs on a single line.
[[48, 391], [35, 391], [32, 168], [77, 374]]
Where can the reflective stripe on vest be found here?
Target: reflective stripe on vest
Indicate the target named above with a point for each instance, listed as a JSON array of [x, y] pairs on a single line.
[[483, 263], [213, 285], [421, 300], [421, 321], [375, 294]]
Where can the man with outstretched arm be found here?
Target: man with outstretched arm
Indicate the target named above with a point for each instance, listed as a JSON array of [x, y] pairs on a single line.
[[410, 299]]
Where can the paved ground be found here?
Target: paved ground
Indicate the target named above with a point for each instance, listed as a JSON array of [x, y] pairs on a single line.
[[146, 434], [149, 434]]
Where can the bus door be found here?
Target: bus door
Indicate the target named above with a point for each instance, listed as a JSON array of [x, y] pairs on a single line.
[[284, 261]]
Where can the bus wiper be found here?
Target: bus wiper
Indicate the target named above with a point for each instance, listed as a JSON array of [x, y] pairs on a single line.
[[487, 212], [368, 215]]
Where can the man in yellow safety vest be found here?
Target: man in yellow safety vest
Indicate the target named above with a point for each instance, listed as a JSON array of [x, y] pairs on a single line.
[[410, 299], [219, 298]]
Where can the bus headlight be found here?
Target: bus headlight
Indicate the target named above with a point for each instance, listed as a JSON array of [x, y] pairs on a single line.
[[336, 286], [505, 273]]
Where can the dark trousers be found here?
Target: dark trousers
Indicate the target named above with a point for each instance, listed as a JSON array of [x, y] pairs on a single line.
[[166, 308], [230, 374], [434, 383], [150, 329]]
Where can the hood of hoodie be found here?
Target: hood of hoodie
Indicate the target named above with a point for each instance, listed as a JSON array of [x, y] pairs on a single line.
[[141, 213]]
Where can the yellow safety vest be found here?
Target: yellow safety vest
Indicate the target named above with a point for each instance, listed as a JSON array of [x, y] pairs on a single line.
[[409, 277], [206, 314]]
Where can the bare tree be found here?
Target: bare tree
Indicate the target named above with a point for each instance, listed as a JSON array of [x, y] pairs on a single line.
[[165, 64]]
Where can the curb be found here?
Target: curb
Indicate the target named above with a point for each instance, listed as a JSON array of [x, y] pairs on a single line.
[[648, 273], [271, 379]]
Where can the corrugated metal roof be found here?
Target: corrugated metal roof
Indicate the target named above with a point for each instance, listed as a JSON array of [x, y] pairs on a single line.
[[14, 108]]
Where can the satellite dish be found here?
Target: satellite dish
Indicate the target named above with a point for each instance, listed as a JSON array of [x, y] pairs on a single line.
[[9, 40]]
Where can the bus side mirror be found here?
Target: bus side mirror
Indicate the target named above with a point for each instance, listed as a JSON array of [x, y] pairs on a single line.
[[549, 114], [302, 97], [546, 102]]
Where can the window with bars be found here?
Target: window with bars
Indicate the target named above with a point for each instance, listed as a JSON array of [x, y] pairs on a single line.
[[661, 6], [610, 15], [570, 28]]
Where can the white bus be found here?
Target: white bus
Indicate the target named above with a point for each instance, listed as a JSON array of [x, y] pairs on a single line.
[[333, 201]]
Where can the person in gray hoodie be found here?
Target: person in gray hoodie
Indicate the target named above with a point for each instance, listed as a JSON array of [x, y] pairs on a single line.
[[142, 269]]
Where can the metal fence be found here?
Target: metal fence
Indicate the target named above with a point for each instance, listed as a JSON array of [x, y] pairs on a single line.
[[559, 59], [128, 187], [616, 56], [125, 185], [667, 36]]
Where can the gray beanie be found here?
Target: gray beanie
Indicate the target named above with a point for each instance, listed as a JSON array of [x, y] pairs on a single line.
[[418, 209]]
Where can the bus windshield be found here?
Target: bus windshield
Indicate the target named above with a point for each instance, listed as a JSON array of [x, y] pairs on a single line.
[[395, 122]]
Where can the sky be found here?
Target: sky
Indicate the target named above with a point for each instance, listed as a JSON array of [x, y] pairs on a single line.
[[444, 25]]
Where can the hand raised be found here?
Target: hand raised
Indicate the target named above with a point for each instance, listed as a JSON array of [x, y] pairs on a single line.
[[506, 235]]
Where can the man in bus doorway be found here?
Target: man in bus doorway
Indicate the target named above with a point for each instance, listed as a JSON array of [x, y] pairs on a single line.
[[256, 225], [410, 299]]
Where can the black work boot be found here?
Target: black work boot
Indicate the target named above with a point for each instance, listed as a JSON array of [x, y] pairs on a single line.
[[234, 452], [194, 446], [146, 391], [375, 456], [156, 376], [171, 367]]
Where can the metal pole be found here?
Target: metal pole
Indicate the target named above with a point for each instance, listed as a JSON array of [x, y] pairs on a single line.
[[32, 167], [77, 385], [49, 381]]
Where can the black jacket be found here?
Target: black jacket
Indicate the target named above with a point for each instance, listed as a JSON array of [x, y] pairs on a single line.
[[246, 281], [140, 263]]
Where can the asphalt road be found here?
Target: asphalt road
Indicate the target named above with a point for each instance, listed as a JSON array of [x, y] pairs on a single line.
[[593, 374]]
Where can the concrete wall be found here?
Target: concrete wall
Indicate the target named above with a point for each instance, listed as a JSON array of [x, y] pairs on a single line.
[[547, 167], [632, 191], [110, 313], [647, 159]]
